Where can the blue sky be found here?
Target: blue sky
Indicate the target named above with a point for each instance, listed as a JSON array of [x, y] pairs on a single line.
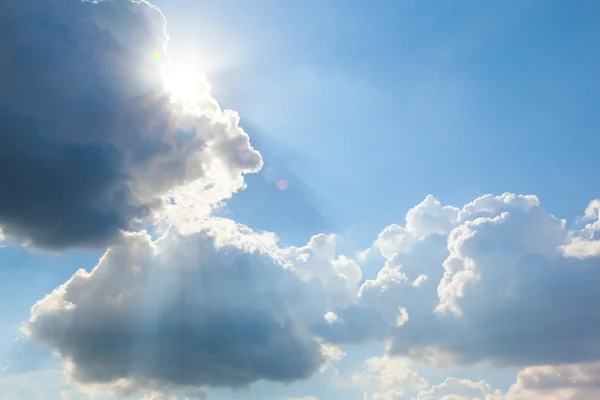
[[453, 99], [364, 110]]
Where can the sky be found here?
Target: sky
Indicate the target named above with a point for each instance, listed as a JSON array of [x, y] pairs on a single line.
[[311, 200]]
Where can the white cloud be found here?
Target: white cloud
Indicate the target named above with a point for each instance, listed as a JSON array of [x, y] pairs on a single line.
[[402, 318], [431, 217], [460, 389], [586, 243], [221, 307], [389, 373], [389, 395], [502, 231], [331, 317], [341, 277], [426, 218], [332, 354], [363, 255], [420, 280], [562, 382], [499, 272]]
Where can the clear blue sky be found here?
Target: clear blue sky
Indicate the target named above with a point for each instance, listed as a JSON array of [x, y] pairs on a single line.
[[365, 108]]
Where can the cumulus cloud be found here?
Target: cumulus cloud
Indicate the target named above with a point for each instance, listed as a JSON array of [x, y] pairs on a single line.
[[500, 287], [586, 243], [406, 281], [94, 145], [222, 307], [330, 317], [559, 382], [402, 317], [341, 280], [389, 373], [461, 389], [420, 280], [549, 382]]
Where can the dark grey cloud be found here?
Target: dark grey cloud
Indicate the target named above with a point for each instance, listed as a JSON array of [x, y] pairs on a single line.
[[89, 139]]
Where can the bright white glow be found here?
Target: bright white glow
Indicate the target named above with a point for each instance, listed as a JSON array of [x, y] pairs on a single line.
[[185, 85], [189, 89]]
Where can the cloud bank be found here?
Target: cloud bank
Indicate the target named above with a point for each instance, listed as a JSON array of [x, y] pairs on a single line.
[[230, 306]]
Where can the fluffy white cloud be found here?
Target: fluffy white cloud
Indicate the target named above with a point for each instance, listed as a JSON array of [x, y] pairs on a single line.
[[500, 230], [559, 382], [389, 373], [402, 317], [222, 307], [331, 317], [406, 281], [586, 243], [427, 218], [341, 279], [420, 280], [563, 382], [97, 141], [461, 389], [506, 290], [431, 217]]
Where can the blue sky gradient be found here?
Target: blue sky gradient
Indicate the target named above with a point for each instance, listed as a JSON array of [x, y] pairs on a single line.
[[451, 99]]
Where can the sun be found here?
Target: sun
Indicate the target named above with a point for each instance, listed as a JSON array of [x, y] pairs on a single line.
[[185, 84]]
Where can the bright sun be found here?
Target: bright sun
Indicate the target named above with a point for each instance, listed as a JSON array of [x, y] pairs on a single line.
[[184, 84]]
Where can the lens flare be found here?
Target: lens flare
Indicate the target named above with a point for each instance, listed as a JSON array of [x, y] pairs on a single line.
[[282, 184]]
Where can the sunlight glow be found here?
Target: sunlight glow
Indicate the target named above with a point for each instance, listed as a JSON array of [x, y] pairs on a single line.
[[185, 85]]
